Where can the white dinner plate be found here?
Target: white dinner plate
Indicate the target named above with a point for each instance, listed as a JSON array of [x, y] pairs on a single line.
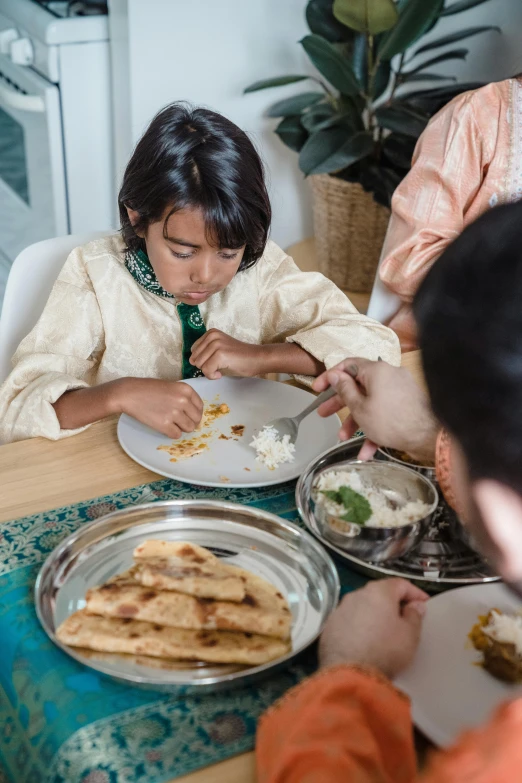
[[253, 402], [449, 692]]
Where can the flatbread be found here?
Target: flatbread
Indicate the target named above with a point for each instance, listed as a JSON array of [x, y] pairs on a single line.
[[205, 581], [187, 568], [105, 634], [263, 610], [191, 553]]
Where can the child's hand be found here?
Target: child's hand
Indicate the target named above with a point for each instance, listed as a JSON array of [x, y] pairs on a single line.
[[217, 351], [169, 407]]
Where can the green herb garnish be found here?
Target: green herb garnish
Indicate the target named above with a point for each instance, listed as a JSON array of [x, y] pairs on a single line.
[[358, 510]]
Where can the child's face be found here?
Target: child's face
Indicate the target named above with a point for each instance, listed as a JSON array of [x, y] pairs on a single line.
[[185, 264]]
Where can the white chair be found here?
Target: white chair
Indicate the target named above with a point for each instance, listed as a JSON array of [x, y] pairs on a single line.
[[383, 303], [29, 284]]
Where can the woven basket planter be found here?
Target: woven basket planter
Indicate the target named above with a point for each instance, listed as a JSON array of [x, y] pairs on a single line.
[[349, 232]]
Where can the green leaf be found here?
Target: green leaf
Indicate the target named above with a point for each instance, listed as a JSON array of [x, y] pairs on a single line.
[[360, 59], [431, 101], [463, 5], [366, 16], [292, 133], [453, 37], [278, 81], [415, 19], [448, 92], [359, 510], [331, 64], [333, 149], [454, 54], [381, 80], [424, 76], [291, 106], [401, 119], [317, 115], [332, 495], [321, 21]]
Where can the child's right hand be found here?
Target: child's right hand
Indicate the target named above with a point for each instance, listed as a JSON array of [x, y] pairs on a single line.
[[167, 406]]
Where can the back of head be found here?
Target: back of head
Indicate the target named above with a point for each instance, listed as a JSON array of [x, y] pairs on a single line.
[[193, 157], [469, 314]]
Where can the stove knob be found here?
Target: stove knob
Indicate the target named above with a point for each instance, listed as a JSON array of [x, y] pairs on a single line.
[[7, 37], [22, 51]]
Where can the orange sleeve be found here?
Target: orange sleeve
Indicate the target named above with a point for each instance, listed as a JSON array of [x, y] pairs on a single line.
[[350, 725], [490, 754], [346, 724]]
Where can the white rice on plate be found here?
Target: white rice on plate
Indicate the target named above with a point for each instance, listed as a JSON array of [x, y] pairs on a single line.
[[272, 450], [506, 629], [383, 515]]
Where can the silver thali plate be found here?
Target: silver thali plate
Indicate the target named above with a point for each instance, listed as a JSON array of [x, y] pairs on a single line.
[[439, 562], [263, 543]]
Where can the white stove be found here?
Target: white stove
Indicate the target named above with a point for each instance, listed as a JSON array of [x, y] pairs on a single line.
[[56, 161]]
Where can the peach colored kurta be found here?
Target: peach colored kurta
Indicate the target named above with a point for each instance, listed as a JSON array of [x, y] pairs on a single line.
[[468, 159]]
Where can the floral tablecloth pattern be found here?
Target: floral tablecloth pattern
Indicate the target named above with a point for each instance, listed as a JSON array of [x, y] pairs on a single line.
[[63, 723]]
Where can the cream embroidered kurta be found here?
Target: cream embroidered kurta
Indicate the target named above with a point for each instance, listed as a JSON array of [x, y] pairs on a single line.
[[100, 324], [469, 158]]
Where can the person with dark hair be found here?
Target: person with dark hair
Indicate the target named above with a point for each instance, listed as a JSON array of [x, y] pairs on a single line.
[[348, 722], [467, 160], [192, 287]]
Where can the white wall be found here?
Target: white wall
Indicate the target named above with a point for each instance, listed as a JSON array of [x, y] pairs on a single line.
[[208, 51]]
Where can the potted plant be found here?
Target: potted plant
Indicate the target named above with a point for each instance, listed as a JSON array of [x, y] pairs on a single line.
[[356, 130]]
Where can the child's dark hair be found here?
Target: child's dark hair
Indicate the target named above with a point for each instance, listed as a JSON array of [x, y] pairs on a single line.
[[191, 157], [469, 314]]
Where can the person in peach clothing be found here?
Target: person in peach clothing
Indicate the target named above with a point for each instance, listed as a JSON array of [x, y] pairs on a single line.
[[348, 723], [468, 159]]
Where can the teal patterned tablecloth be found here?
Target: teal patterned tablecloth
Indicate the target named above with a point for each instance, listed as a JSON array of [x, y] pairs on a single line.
[[63, 723]]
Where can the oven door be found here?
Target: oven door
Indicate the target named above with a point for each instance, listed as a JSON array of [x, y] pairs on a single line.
[[33, 203]]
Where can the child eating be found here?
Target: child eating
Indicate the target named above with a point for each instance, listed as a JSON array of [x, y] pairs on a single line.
[[192, 286]]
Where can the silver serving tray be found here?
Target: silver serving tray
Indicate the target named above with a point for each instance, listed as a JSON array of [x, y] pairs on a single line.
[[440, 561], [263, 543]]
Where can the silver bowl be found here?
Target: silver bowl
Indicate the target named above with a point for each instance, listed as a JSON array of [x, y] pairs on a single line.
[[390, 454], [400, 485]]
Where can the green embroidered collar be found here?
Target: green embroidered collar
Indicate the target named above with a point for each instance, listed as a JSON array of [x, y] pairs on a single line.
[[141, 269], [192, 324]]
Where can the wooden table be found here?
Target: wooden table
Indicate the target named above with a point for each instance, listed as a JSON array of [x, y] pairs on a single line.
[[38, 475]]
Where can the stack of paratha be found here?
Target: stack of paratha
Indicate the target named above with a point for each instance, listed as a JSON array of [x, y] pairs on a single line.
[[180, 601]]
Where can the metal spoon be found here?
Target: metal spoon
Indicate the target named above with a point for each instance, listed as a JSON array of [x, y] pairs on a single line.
[[290, 425]]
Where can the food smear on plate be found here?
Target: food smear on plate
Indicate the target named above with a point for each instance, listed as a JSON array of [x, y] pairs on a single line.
[[191, 447], [498, 636], [184, 449], [351, 501], [180, 602], [272, 449], [211, 412]]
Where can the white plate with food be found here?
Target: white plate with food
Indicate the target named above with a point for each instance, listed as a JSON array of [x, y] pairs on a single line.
[[449, 686], [186, 594], [219, 452]]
